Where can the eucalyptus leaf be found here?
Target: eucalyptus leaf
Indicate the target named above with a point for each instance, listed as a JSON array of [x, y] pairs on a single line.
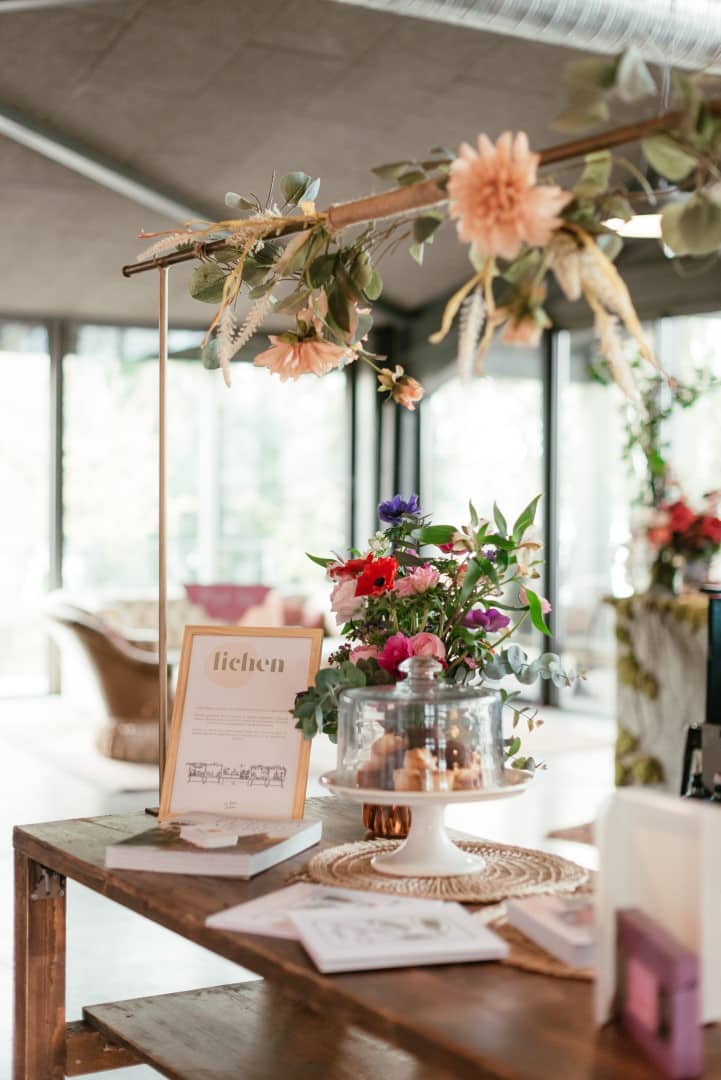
[[339, 308], [582, 118], [321, 270], [596, 174], [391, 171], [665, 155], [238, 202], [611, 244], [416, 251], [412, 176], [633, 80], [293, 186], [692, 227], [375, 286], [206, 283], [424, 227], [209, 355]]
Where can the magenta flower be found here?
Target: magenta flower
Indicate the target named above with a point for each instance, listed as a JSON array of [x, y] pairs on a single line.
[[490, 620], [394, 652]]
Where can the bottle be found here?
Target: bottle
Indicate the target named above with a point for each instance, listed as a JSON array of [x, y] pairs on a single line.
[[716, 793], [695, 789]]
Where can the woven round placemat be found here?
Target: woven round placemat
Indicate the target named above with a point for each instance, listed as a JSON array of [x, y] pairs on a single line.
[[510, 871]]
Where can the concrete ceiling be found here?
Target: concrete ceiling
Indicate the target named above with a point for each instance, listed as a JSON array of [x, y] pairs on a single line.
[[205, 97]]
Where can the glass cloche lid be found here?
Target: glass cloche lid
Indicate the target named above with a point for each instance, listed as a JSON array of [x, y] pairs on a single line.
[[421, 734]]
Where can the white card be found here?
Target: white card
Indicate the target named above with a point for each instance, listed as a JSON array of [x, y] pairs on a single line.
[[386, 937], [270, 914]]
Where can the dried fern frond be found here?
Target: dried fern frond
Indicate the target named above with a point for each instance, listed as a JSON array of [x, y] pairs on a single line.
[[168, 243], [470, 326], [611, 342]]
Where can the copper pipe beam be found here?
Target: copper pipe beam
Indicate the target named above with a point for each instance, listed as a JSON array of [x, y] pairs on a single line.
[[162, 526], [427, 193]]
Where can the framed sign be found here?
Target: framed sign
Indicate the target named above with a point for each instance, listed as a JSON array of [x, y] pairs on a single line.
[[234, 749]]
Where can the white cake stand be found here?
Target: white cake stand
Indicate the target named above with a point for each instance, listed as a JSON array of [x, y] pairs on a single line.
[[428, 851]]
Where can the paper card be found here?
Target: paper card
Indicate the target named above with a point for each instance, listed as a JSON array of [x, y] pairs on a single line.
[[270, 914], [234, 749]]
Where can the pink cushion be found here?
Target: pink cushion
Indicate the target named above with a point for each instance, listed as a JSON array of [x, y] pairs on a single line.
[[226, 602]]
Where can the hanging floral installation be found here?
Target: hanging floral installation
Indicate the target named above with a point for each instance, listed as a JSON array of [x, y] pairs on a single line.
[[522, 230]]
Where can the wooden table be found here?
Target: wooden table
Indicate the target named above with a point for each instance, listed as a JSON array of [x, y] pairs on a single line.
[[468, 1020]]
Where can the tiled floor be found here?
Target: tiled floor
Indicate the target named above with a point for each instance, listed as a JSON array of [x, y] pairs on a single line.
[[115, 954]]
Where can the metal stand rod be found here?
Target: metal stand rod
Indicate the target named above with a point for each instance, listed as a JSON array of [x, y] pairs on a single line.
[[162, 526]]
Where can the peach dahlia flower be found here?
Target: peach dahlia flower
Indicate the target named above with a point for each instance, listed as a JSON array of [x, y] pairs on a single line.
[[494, 196], [291, 359]]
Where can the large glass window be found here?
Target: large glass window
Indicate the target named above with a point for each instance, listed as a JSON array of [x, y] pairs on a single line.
[[594, 520], [24, 482], [257, 474], [482, 439]]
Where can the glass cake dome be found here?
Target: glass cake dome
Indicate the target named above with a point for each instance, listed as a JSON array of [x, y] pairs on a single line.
[[420, 735]]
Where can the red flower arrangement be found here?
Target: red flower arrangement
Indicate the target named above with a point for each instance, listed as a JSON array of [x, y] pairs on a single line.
[[681, 530]]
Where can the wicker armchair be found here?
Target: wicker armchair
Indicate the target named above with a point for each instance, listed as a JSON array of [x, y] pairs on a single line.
[[126, 676]]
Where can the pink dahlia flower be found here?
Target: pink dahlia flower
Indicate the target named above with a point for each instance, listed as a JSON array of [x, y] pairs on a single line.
[[494, 196], [291, 359], [419, 580]]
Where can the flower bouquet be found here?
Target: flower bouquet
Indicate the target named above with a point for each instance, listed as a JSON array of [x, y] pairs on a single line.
[[458, 595], [678, 533]]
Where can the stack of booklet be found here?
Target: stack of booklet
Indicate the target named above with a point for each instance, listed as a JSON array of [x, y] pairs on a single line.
[[353, 930], [562, 925], [218, 846]]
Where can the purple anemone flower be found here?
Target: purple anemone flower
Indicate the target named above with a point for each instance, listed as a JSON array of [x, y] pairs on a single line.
[[490, 620], [393, 510]]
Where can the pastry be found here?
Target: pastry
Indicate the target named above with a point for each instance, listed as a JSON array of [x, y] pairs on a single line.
[[457, 754], [442, 780], [387, 746], [466, 779], [419, 759], [408, 780], [369, 775]]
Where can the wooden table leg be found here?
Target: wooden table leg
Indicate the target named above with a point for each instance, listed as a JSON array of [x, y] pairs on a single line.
[[39, 1042]]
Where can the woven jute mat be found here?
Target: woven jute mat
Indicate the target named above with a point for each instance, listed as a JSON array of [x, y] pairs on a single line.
[[510, 872]]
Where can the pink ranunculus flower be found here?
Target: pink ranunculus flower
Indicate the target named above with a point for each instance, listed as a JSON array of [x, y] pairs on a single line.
[[523, 598], [494, 195], [394, 652], [420, 580], [363, 652], [344, 602], [428, 645]]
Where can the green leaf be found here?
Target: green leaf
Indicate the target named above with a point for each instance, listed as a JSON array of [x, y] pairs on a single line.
[[293, 186], [665, 155], [339, 308], [413, 176], [474, 515], [206, 283], [321, 270], [416, 251], [436, 534], [525, 519], [500, 520], [473, 573], [582, 118], [238, 202], [319, 560], [692, 227], [633, 80], [268, 253], [596, 174], [424, 227], [311, 192], [536, 612], [617, 206], [391, 171], [361, 270], [209, 355], [375, 286]]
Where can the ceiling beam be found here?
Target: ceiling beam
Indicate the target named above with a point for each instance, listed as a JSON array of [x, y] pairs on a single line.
[[99, 168]]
